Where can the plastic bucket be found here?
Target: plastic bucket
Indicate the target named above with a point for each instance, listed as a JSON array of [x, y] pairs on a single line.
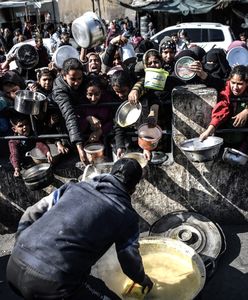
[[155, 78]]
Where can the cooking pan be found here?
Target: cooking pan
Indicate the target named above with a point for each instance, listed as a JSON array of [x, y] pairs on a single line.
[[36, 173]]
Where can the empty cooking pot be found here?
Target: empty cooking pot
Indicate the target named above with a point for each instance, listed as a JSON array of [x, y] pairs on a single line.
[[30, 103], [38, 157], [88, 30], [148, 137], [94, 152], [36, 173], [235, 157], [63, 53]]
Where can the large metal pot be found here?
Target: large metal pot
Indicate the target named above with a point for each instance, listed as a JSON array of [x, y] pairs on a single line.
[[88, 30], [177, 271], [198, 151], [148, 137], [38, 157], [42, 172], [30, 103]]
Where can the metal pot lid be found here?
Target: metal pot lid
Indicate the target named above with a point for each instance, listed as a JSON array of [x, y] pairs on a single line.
[[63, 53], [182, 70], [195, 230]]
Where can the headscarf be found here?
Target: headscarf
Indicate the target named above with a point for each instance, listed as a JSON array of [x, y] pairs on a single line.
[[216, 64], [166, 43]]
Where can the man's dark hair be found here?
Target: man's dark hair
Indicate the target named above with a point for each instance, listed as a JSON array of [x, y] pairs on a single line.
[[16, 118], [72, 64], [121, 78], [128, 171]]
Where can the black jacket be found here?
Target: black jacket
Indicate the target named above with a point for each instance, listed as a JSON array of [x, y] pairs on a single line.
[[67, 98], [87, 218]]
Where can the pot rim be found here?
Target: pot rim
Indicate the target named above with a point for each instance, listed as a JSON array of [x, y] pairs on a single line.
[[221, 141]]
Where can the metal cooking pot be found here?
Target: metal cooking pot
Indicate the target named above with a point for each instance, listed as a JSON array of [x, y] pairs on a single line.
[[63, 53], [30, 103], [26, 57], [88, 30], [38, 157], [40, 184], [127, 114], [177, 271], [198, 151], [94, 152], [234, 157], [148, 137], [36, 173]]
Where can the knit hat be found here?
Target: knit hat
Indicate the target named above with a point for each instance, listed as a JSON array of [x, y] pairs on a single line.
[[128, 171], [166, 43]]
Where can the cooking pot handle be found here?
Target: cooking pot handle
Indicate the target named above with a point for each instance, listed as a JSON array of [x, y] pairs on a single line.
[[86, 171], [28, 154]]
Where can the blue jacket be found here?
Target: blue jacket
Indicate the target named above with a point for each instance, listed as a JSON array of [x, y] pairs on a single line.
[[84, 220]]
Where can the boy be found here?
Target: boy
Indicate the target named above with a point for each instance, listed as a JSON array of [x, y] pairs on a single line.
[[18, 148]]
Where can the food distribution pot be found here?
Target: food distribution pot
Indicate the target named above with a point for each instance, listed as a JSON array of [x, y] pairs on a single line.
[[176, 270], [30, 103], [148, 137], [88, 30]]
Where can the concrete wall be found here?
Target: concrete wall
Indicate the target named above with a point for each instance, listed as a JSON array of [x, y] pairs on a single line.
[[213, 189], [108, 9]]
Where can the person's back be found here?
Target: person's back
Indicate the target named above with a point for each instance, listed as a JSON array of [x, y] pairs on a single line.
[[64, 234]]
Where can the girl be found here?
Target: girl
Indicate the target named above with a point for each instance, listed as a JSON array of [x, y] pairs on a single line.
[[96, 120], [233, 113]]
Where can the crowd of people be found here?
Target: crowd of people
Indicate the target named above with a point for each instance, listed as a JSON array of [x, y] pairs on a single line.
[[62, 236], [84, 95]]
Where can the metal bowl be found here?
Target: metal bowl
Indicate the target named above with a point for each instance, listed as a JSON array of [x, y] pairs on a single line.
[[138, 156], [234, 157], [198, 151], [128, 114]]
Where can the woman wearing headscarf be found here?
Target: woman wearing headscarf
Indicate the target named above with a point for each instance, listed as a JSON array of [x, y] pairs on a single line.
[[216, 64]]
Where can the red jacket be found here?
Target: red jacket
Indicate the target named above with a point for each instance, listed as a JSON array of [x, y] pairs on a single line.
[[224, 109]]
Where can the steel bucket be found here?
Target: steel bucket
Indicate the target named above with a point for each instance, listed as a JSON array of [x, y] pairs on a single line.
[[30, 103], [88, 30]]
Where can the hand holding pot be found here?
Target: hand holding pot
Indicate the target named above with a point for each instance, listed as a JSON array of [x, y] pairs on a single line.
[[49, 157], [119, 40]]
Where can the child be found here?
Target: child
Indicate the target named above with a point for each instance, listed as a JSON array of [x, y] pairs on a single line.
[[96, 120], [233, 113], [18, 148]]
